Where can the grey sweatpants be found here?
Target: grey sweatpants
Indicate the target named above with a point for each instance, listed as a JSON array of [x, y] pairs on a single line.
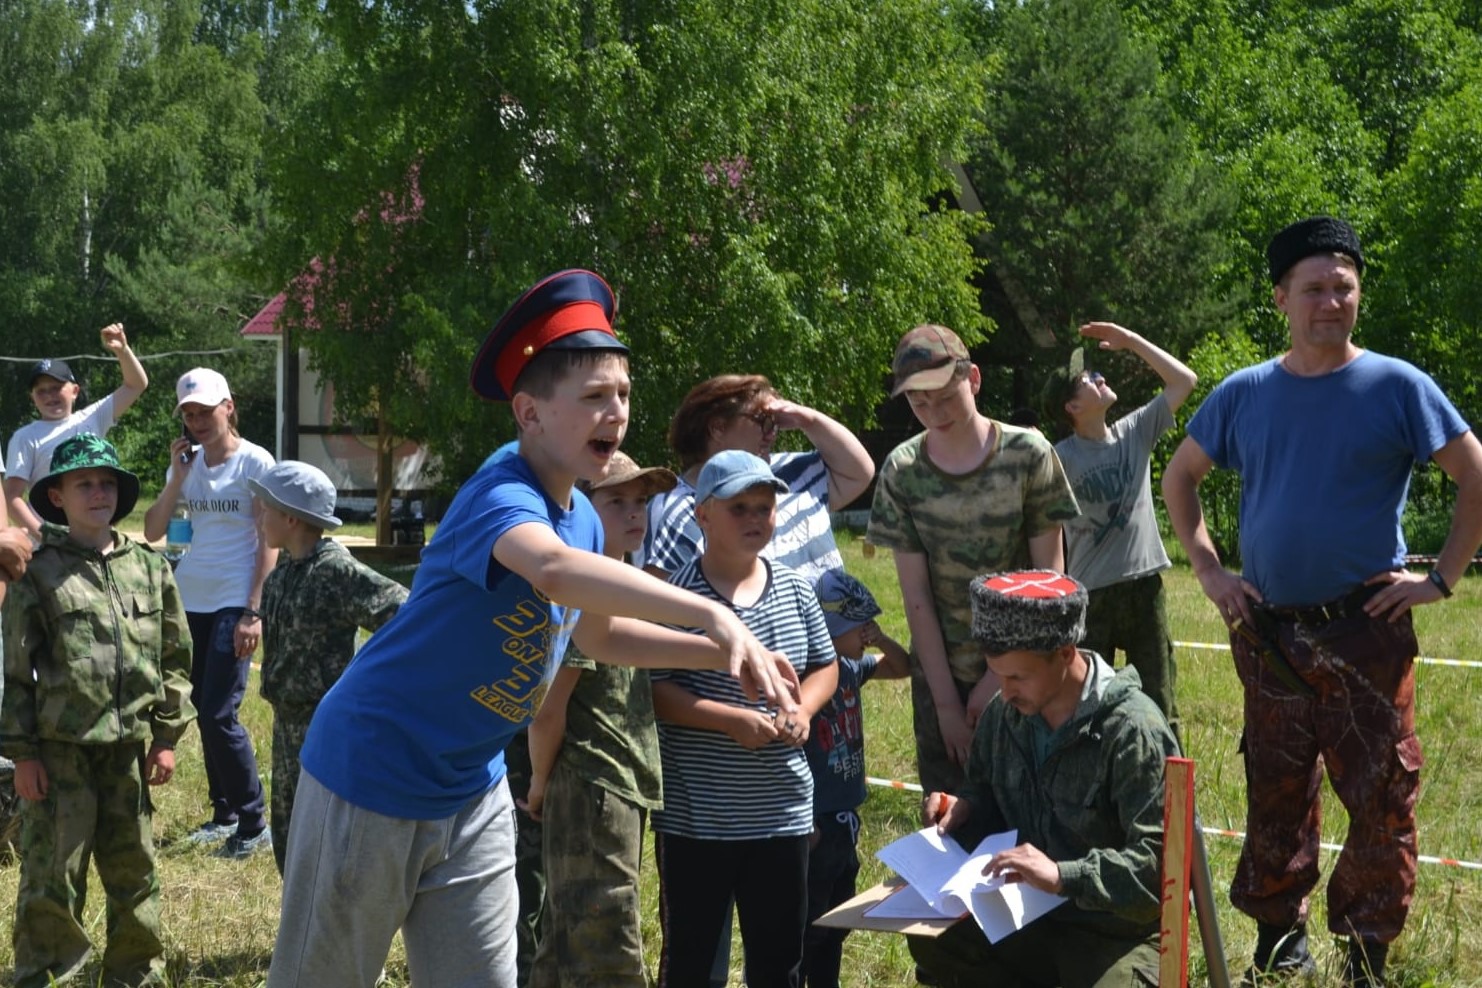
[[353, 877]]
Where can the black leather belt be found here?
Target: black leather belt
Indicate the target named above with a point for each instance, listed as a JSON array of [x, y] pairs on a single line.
[[1349, 605]]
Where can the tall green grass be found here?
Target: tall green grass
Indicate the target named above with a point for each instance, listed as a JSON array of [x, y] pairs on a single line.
[[220, 916]]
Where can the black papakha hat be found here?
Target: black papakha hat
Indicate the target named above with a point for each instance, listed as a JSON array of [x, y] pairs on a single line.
[[82, 452], [1314, 235], [568, 310], [1027, 611]]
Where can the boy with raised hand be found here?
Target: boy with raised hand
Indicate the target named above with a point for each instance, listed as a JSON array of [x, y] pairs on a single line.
[[738, 796], [1114, 548], [313, 603], [835, 751], [595, 754], [54, 392], [403, 819], [97, 692]]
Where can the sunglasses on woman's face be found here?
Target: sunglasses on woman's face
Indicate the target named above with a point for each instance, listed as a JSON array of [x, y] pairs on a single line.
[[765, 421]]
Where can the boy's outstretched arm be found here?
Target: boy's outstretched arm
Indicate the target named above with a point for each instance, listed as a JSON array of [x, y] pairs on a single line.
[[747, 726], [600, 586]]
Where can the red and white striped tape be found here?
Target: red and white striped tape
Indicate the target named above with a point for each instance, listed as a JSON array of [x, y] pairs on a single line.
[[1211, 831]]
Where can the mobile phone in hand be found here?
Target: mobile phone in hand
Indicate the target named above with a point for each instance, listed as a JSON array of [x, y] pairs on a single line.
[[189, 453]]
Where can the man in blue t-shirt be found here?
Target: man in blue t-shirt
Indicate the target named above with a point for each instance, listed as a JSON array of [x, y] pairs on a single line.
[[403, 817], [1324, 438]]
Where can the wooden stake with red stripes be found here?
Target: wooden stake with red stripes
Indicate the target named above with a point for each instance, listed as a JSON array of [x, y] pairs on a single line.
[[1178, 840]]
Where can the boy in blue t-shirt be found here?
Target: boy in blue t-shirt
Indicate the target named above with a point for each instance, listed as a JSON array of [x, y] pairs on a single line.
[[835, 751], [403, 818]]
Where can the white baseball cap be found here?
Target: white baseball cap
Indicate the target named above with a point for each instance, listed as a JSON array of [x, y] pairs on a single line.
[[201, 386]]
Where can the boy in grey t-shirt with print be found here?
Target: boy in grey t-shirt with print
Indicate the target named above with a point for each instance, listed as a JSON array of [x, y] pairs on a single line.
[[1114, 548]]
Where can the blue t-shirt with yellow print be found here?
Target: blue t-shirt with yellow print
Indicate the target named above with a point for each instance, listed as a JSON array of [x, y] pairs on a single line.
[[416, 727]]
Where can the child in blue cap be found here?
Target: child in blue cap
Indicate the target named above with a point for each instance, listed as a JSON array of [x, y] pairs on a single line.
[[403, 819]]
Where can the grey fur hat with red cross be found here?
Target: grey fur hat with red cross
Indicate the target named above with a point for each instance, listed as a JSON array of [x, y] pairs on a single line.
[[1027, 611]]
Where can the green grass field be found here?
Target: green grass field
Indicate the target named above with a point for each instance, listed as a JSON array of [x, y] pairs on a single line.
[[220, 917]]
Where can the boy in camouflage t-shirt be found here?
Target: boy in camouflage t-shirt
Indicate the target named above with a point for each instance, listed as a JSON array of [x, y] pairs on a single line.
[[968, 495], [97, 692], [594, 752], [313, 603]]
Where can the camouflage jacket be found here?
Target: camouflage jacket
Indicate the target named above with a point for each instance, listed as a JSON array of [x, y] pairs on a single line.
[[311, 609], [96, 648], [1093, 804]]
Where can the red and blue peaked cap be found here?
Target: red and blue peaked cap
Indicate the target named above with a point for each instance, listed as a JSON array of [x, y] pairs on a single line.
[[568, 310]]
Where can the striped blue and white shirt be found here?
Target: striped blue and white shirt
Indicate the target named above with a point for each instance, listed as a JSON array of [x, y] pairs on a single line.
[[804, 539], [715, 789]]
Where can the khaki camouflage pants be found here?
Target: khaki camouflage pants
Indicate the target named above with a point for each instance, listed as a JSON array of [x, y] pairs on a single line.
[[290, 726], [96, 806], [935, 769], [1360, 724], [592, 933]]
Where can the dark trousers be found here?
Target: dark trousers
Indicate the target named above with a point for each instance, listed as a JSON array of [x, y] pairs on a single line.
[[769, 879], [529, 860], [218, 682], [1133, 616], [1360, 724], [833, 866]]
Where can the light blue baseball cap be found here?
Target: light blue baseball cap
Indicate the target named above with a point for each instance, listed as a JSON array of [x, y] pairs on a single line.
[[732, 471]]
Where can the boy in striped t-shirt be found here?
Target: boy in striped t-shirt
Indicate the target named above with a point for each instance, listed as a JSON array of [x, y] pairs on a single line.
[[738, 796]]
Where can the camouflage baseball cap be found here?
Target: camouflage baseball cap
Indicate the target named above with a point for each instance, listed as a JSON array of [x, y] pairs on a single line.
[[82, 452], [928, 357], [1060, 386]]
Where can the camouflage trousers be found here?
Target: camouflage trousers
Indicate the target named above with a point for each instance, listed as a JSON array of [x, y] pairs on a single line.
[[593, 849], [1045, 954], [1360, 724], [290, 725], [96, 806], [529, 864], [1133, 616], [935, 769]]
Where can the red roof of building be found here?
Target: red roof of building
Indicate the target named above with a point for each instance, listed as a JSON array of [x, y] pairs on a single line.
[[265, 323]]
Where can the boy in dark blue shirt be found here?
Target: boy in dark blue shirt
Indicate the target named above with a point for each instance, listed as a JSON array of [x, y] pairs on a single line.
[[835, 751]]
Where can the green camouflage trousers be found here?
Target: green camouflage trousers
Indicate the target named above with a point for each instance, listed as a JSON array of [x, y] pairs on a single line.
[[290, 725], [96, 806], [592, 933], [1133, 616], [1044, 954], [529, 868]]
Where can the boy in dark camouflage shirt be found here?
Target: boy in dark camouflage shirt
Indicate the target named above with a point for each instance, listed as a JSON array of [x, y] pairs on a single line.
[[312, 603], [97, 663]]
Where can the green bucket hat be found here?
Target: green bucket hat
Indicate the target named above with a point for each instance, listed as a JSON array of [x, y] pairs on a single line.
[[1060, 387], [81, 452]]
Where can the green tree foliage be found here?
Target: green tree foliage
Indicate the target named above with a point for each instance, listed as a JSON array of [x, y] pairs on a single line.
[[751, 178], [129, 173], [1101, 206]]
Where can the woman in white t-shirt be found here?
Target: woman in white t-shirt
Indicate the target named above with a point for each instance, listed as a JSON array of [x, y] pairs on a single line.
[[220, 582], [54, 392]]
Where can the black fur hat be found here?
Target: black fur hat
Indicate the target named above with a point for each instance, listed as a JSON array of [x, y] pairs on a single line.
[[1033, 611], [1314, 235]]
